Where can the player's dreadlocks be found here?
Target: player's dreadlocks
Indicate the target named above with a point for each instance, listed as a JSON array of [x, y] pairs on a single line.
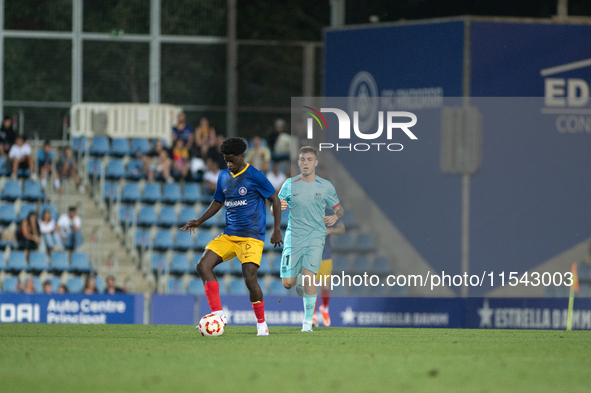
[[234, 145]]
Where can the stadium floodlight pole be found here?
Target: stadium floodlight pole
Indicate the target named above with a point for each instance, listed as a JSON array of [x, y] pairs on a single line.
[[154, 51], [77, 20], [231, 71]]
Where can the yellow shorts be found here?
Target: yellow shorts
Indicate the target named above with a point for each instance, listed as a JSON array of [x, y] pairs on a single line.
[[325, 268], [247, 249]]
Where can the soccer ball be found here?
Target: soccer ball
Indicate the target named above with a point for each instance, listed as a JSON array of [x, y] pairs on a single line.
[[211, 325]]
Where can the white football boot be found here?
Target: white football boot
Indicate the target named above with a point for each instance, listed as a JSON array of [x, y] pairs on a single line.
[[222, 315], [307, 326], [262, 329]]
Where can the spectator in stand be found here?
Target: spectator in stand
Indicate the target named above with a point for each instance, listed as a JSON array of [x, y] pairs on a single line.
[[210, 178], [45, 160], [49, 233], [182, 130], [21, 156], [28, 288], [62, 289], [180, 160], [67, 167], [69, 226], [157, 161], [110, 286], [258, 155], [274, 134], [7, 136], [276, 177], [47, 287], [215, 152], [28, 233], [90, 286], [204, 137]]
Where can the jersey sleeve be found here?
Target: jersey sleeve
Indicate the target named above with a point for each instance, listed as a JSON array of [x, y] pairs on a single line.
[[263, 185], [219, 192], [332, 200], [285, 191]]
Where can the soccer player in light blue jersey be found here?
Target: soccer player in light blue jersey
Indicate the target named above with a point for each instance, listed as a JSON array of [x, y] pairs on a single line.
[[307, 196]]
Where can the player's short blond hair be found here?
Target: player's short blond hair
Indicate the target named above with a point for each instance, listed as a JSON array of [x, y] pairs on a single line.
[[308, 149]]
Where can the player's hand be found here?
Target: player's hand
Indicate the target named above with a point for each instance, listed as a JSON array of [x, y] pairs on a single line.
[[191, 226], [276, 239], [283, 204], [330, 220]]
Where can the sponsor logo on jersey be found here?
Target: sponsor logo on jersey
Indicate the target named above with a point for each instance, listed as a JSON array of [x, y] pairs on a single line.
[[235, 203], [242, 190], [318, 196]]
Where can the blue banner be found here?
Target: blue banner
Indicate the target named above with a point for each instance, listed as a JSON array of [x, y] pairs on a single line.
[[72, 308], [172, 310]]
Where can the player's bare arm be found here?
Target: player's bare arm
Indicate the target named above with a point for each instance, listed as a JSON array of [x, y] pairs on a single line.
[[338, 214], [276, 235], [213, 208]]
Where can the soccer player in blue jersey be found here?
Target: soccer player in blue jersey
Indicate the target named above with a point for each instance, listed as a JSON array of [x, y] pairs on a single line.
[[243, 190], [307, 196]]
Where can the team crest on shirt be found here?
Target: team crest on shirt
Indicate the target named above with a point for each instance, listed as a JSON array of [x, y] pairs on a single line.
[[242, 190], [318, 196]]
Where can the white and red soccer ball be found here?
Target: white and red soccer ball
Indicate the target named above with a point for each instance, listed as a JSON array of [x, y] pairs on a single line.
[[211, 325]]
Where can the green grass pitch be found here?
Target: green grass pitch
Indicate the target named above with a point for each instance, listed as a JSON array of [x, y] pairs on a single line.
[[133, 358]]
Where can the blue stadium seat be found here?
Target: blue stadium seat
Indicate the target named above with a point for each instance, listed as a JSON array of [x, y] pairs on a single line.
[[134, 169], [196, 287], [111, 191], [187, 214], [284, 218], [349, 220], [33, 191], [343, 243], [12, 190], [10, 284], [7, 214], [235, 266], [147, 216], [2, 261], [223, 288], [269, 220], [126, 214], [25, 209], [191, 193], [80, 262], [142, 238], [158, 262], [17, 261], [203, 238], [100, 284], [37, 284], [175, 286], [119, 147], [140, 145], [221, 269], [276, 288], [75, 285], [167, 217], [340, 263], [99, 146], [5, 168], [59, 261], [131, 192], [237, 287], [179, 263], [152, 193], [360, 265], [38, 261], [51, 207], [163, 240], [265, 266], [78, 143], [381, 265], [115, 169], [55, 283], [183, 241], [276, 264], [364, 243], [219, 220], [172, 193]]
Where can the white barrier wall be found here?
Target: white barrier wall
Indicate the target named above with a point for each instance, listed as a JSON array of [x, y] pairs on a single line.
[[123, 120]]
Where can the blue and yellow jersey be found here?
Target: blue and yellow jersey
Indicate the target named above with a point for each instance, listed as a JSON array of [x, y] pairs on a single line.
[[307, 203], [244, 196]]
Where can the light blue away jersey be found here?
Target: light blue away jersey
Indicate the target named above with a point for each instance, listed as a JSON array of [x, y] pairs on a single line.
[[307, 203]]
